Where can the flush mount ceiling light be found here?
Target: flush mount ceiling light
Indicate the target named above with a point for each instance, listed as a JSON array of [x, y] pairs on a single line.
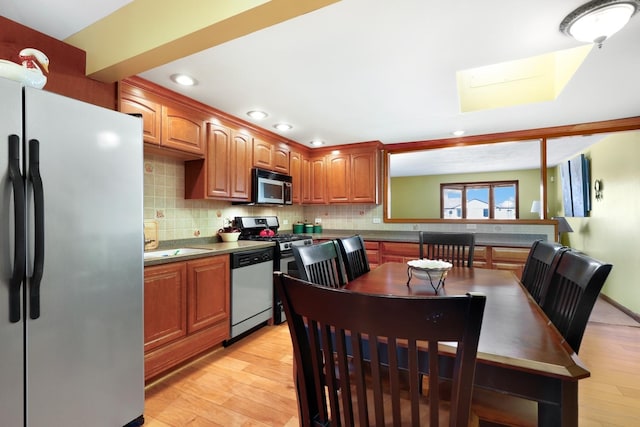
[[317, 142], [257, 115], [183, 80], [283, 126], [457, 132], [596, 21]]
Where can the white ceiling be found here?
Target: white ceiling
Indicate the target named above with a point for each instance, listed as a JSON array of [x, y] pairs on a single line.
[[362, 70]]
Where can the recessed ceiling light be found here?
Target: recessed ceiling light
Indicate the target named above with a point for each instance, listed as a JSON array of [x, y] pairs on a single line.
[[184, 80], [458, 132], [257, 114], [283, 126], [317, 142]]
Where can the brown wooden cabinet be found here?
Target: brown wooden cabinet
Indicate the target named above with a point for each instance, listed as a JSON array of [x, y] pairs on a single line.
[[295, 170], [134, 101], [494, 257], [507, 258], [318, 180], [169, 127], [352, 176], [398, 251], [209, 295], [183, 128], [165, 304], [225, 174], [271, 156], [373, 253], [186, 311]]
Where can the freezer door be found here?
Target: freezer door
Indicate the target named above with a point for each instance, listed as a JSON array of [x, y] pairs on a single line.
[[11, 333], [85, 343]]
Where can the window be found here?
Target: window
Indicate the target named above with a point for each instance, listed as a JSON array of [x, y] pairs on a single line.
[[479, 200]]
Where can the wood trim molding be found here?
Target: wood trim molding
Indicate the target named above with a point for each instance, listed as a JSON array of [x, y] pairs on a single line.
[[629, 123]]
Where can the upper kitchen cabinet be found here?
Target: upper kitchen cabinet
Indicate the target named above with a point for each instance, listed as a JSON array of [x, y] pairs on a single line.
[[183, 129], [314, 176], [170, 127], [295, 170], [271, 156], [225, 173], [353, 175]]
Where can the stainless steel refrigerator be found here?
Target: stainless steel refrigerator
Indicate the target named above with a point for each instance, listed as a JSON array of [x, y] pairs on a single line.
[[71, 267]]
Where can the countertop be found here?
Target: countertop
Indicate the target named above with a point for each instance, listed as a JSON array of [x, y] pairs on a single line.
[[483, 239], [212, 249]]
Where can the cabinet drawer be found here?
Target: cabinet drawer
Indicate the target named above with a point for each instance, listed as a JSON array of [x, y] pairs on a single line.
[[509, 254], [409, 250]]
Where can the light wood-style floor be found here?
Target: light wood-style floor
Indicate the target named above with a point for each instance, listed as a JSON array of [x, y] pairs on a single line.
[[249, 383]]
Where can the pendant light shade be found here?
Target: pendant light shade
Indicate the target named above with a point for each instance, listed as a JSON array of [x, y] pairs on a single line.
[[596, 21]]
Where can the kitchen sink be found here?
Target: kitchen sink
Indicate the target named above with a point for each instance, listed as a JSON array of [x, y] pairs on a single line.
[[169, 253]]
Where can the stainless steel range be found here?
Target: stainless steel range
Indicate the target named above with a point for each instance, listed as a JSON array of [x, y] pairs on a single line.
[[266, 228]]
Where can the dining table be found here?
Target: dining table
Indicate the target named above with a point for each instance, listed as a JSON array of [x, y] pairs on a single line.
[[520, 352]]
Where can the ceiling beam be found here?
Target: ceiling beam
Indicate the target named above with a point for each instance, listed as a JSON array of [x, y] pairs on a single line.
[[145, 34]]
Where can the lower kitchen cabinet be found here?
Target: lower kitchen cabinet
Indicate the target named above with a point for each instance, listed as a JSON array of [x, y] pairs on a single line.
[[494, 257], [186, 311], [506, 258]]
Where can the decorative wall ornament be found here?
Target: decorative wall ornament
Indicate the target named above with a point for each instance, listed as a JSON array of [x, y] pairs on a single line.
[[29, 72]]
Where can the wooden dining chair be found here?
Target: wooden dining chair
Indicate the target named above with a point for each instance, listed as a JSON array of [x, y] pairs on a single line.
[[350, 348], [320, 264], [456, 248], [538, 266], [572, 291], [573, 285], [354, 256]]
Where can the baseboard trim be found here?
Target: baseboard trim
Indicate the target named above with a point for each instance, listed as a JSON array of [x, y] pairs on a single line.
[[625, 310]]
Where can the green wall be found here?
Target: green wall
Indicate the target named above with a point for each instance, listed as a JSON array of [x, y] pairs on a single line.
[[419, 196], [613, 225]]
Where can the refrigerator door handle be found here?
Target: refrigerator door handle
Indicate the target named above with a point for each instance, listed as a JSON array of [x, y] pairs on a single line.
[[38, 208], [19, 261]]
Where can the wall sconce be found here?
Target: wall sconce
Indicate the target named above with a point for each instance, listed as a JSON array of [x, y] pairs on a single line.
[[597, 186]]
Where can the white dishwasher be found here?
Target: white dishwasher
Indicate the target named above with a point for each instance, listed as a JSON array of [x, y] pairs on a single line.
[[251, 290]]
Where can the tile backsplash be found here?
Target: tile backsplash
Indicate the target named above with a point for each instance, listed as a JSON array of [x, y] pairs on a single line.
[[182, 219]]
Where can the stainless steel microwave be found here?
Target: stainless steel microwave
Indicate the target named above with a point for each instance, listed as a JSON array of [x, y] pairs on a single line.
[[270, 187]]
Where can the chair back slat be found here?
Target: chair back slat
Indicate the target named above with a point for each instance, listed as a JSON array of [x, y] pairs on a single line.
[[354, 256], [456, 248], [574, 285], [538, 266], [320, 264], [358, 357]]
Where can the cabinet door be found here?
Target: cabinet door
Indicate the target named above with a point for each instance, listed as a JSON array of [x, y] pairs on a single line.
[[398, 252], [306, 180], [262, 154], [338, 178], [281, 158], [209, 293], [150, 110], [295, 169], [318, 181], [373, 253], [183, 129], [218, 167], [165, 304], [513, 259], [364, 178], [240, 161]]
